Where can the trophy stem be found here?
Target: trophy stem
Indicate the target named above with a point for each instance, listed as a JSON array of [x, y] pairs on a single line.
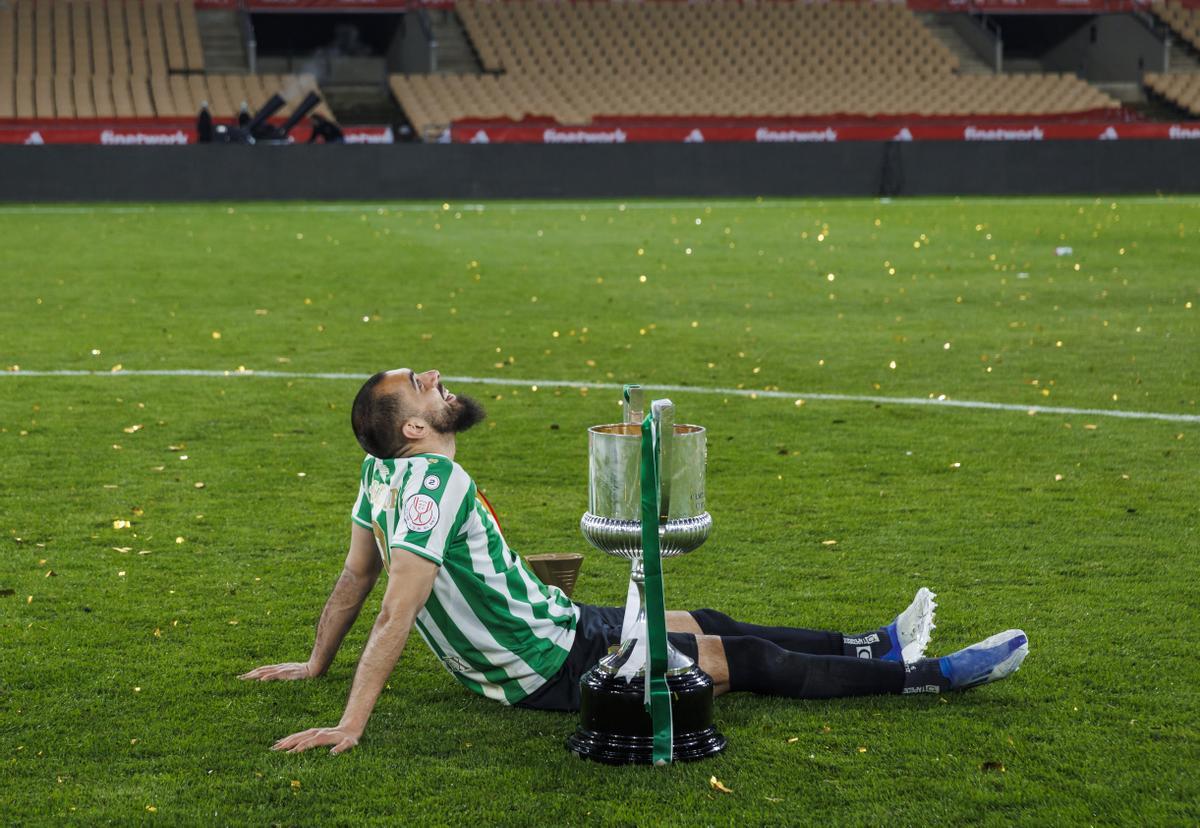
[[633, 645]]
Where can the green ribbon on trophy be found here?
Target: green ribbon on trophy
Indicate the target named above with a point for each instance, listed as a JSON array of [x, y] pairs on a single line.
[[658, 696]]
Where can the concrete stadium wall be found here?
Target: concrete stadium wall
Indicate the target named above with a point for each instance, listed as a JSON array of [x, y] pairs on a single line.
[[419, 171], [1112, 47]]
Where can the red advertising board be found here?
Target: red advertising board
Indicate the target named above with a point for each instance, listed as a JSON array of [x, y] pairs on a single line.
[[323, 5], [989, 6], [151, 135], [1038, 6], [483, 133], [157, 135]]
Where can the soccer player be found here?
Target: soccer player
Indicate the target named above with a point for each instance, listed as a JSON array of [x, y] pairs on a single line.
[[505, 635]]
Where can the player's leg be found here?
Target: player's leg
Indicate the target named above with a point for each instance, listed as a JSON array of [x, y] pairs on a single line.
[[904, 639], [743, 663]]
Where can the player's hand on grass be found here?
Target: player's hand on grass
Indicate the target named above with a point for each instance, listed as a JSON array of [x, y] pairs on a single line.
[[341, 739], [291, 671]]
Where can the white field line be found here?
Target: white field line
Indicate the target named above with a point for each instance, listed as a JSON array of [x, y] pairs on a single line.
[[930, 402], [548, 206]]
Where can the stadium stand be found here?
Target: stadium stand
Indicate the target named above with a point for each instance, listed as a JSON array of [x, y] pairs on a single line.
[[121, 59], [576, 62], [1180, 88], [1184, 21], [1181, 85]]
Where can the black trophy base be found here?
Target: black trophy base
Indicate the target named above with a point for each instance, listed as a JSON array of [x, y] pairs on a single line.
[[616, 729]]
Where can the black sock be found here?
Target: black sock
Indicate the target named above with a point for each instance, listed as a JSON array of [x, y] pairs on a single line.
[[868, 645], [760, 666], [813, 642], [925, 676]]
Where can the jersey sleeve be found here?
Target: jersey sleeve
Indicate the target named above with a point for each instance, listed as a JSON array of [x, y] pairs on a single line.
[[432, 510], [361, 513]]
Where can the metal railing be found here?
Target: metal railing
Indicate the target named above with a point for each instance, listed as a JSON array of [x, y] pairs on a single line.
[[430, 39], [248, 40], [992, 29]]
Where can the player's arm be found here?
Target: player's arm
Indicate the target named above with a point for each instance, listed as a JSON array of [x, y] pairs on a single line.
[[358, 577], [410, 580]]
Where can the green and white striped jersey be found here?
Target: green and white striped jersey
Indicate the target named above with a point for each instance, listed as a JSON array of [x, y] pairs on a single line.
[[497, 628]]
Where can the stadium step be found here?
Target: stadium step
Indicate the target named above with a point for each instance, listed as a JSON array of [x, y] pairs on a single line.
[[1129, 93], [455, 55], [1183, 57], [943, 27], [361, 104], [221, 37]]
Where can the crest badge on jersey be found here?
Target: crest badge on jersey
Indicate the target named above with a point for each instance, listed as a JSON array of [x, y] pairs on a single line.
[[421, 513], [432, 482]]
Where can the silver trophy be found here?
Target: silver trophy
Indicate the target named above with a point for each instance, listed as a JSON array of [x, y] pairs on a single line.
[[615, 727]]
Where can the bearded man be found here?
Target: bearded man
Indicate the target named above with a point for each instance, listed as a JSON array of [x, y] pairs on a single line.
[[505, 635]]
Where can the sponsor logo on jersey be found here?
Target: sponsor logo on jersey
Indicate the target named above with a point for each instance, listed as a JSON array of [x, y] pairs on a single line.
[[863, 652], [432, 482], [420, 513]]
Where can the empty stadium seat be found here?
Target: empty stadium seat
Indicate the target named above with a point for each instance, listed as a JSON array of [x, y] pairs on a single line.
[[578, 61], [67, 59]]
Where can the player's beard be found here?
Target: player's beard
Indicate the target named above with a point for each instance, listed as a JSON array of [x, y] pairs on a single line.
[[459, 416]]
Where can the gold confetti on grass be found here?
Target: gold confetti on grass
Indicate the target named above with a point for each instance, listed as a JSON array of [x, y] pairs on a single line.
[[829, 542], [133, 429], [718, 785], [121, 524]]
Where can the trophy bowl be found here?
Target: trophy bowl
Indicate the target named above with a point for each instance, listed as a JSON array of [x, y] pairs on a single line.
[[613, 522]]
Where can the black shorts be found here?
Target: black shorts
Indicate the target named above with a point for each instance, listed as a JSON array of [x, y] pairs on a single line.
[[598, 629]]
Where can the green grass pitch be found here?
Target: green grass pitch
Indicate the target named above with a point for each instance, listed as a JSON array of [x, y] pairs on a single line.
[[119, 647]]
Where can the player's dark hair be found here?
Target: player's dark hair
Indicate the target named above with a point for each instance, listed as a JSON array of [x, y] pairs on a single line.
[[376, 419]]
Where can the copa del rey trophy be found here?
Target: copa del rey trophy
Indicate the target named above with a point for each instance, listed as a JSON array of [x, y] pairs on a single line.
[[646, 702]]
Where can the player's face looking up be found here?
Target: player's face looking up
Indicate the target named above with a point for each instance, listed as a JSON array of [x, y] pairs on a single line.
[[396, 408], [424, 396]]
